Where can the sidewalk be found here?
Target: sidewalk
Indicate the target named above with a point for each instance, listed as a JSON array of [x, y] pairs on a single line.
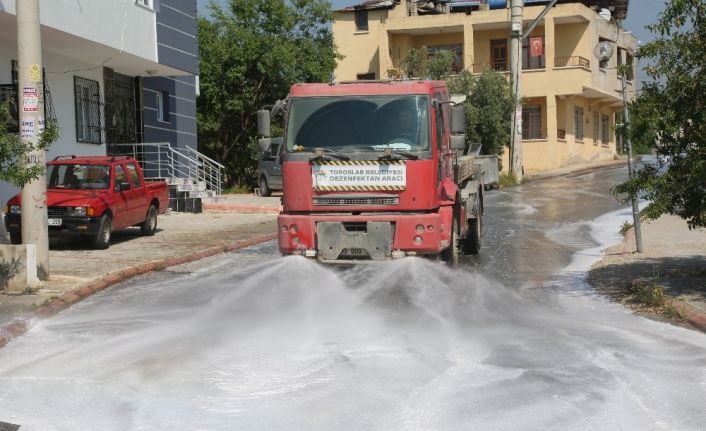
[[674, 258]]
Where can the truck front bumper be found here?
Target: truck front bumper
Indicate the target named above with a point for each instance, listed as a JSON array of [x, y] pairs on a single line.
[[364, 237], [69, 225]]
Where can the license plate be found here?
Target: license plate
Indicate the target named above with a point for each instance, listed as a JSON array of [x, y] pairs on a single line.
[[353, 252], [54, 222]]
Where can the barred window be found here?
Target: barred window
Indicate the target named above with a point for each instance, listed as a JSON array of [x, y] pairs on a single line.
[[605, 129], [88, 112], [578, 123], [532, 122]]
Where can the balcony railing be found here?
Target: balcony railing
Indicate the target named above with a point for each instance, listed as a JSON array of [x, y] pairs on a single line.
[[573, 61], [529, 133], [498, 66]]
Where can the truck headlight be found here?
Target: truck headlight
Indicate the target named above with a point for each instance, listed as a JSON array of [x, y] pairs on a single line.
[[78, 211], [15, 209]]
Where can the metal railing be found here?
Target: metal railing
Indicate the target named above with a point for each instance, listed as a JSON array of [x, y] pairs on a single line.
[[498, 66], [161, 160], [530, 133], [574, 61]]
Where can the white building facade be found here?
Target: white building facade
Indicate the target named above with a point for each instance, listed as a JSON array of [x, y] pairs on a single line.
[[115, 72]]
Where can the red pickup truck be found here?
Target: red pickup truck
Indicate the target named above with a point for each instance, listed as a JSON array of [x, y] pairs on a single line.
[[93, 197]]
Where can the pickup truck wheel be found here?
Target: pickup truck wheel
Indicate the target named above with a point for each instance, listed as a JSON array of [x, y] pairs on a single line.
[[264, 187], [15, 238], [150, 224], [102, 239]]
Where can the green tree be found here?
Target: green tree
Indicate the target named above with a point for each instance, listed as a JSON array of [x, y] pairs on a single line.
[[251, 52], [489, 106], [489, 99], [440, 64], [13, 151], [415, 62], [674, 104]]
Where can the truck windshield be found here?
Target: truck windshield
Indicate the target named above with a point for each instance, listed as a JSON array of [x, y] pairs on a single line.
[[78, 176], [356, 123]]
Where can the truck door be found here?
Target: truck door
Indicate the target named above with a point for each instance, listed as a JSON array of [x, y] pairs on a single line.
[[445, 155], [138, 202], [121, 214]]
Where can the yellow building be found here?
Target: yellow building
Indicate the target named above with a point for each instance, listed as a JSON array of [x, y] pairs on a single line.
[[570, 97]]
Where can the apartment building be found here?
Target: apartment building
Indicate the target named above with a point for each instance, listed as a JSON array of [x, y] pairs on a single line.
[[570, 96], [115, 72]]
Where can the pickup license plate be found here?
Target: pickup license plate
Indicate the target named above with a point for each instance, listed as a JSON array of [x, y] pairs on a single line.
[[54, 222]]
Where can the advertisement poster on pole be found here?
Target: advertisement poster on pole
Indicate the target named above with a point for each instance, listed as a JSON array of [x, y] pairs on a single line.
[[30, 100]]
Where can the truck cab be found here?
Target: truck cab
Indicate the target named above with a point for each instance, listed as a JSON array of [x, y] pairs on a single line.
[[371, 172]]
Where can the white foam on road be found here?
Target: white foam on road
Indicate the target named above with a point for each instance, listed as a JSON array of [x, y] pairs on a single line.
[[408, 345]]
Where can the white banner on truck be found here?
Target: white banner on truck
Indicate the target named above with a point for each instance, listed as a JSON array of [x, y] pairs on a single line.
[[359, 176]]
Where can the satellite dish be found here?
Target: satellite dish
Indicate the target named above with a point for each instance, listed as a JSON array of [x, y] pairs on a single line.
[[604, 50], [605, 14]]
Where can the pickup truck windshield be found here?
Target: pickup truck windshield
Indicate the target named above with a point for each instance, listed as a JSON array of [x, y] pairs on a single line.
[[78, 176], [355, 123]]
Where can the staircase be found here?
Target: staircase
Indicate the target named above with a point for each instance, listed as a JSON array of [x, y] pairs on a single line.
[[191, 176]]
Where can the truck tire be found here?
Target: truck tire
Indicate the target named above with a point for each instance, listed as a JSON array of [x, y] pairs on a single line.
[[149, 226], [15, 238], [473, 241], [264, 187], [450, 254], [102, 239]]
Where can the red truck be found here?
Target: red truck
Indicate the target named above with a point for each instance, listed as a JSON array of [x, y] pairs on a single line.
[[94, 196], [375, 170]]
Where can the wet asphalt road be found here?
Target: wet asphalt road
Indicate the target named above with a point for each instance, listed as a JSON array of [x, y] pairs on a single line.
[[512, 340], [533, 230]]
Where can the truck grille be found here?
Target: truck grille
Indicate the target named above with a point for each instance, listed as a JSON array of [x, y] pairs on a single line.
[[55, 212], [330, 201]]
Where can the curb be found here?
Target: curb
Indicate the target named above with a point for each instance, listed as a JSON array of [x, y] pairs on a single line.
[[242, 208], [567, 171], [20, 325], [694, 316]]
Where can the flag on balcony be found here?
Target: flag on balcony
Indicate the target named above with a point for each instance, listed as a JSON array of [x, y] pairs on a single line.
[[536, 46]]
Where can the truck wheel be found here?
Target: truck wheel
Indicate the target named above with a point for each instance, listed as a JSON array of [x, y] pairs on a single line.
[[15, 238], [102, 239], [149, 226], [450, 255], [472, 243], [264, 187]]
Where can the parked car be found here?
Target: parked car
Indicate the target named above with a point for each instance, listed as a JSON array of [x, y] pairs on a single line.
[[270, 169], [93, 197]]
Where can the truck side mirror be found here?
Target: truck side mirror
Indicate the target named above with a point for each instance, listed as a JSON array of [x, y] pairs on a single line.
[[263, 123], [264, 144], [458, 119], [458, 142]]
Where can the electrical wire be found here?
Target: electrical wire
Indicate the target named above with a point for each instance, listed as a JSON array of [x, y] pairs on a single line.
[[103, 63]]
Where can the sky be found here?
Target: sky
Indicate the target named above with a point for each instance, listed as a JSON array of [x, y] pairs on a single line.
[[640, 14]]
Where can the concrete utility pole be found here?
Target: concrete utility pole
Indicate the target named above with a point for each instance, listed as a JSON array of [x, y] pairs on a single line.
[[516, 82], [30, 90], [633, 198], [516, 33]]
